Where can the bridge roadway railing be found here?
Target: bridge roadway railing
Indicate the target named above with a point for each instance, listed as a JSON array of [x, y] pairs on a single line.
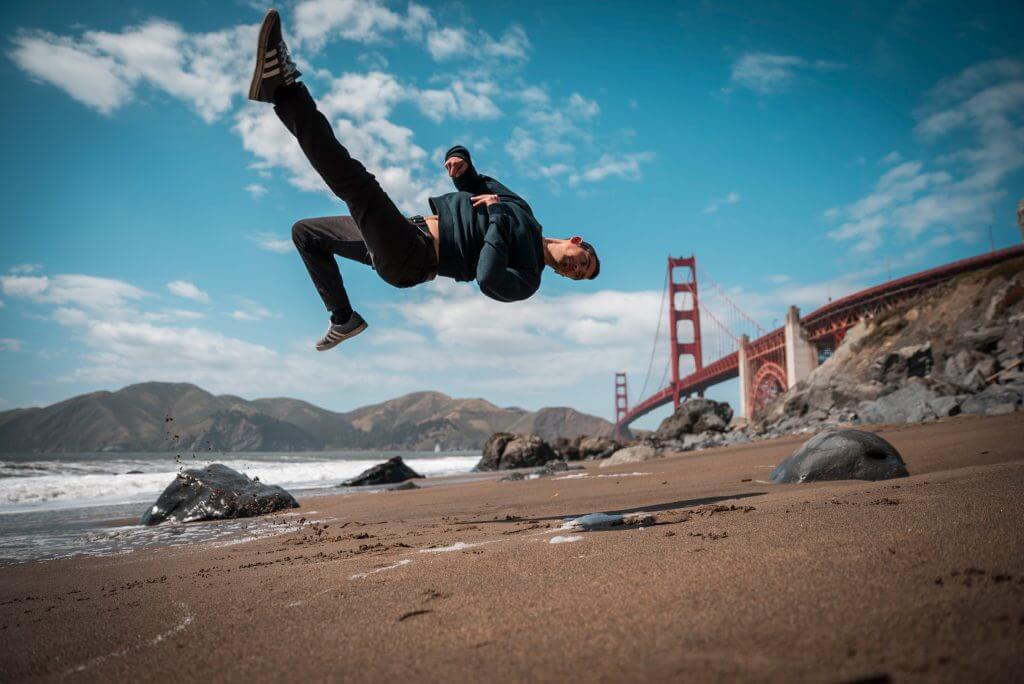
[[847, 310]]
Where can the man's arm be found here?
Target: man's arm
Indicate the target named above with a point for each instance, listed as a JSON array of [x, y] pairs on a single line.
[[466, 178], [493, 274]]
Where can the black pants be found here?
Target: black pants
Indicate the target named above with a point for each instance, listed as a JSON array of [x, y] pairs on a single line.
[[376, 234]]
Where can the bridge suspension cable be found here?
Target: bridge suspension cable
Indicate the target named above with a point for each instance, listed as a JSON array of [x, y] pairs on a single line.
[[728, 300], [657, 332]]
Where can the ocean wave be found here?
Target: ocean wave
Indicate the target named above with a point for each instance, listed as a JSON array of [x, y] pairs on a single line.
[[56, 484]]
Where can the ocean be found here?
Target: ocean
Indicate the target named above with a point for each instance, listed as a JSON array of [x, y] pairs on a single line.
[[89, 504]]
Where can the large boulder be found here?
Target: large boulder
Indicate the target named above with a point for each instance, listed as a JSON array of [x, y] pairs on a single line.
[[391, 471], [504, 451], [913, 361], [841, 455], [993, 401], [632, 454], [213, 493], [597, 447], [694, 416], [910, 404]]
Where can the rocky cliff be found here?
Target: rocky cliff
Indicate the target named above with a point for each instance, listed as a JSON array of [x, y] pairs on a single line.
[[957, 348]]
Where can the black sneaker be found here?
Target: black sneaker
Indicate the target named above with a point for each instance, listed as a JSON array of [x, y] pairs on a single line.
[[339, 332], [274, 66]]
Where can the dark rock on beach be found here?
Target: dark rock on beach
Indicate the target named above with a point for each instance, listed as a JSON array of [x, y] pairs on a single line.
[[841, 455], [391, 471], [695, 416], [505, 451], [213, 493]]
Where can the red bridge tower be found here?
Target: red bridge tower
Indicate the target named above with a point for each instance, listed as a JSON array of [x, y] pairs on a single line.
[[683, 308], [621, 401]]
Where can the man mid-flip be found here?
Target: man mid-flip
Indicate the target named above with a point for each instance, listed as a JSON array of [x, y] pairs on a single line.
[[483, 232]]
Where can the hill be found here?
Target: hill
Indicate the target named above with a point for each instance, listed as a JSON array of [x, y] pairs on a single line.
[[158, 416]]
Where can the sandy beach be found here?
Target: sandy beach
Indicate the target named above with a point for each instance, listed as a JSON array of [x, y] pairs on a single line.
[[920, 578]]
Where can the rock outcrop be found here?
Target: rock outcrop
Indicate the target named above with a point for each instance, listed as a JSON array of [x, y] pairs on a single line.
[[505, 451], [841, 455], [695, 416], [391, 471], [213, 493]]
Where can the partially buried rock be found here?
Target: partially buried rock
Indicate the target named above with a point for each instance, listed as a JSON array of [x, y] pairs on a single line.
[[504, 451], [632, 454], [841, 455], [213, 493], [550, 468], [390, 471]]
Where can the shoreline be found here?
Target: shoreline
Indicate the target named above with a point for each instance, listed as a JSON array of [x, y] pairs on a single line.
[[727, 578]]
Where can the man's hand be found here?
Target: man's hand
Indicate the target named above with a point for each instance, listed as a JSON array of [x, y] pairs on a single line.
[[456, 166], [477, 200]]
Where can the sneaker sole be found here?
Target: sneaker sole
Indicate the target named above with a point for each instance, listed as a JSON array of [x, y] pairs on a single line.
[[257, 74], [349, 336]]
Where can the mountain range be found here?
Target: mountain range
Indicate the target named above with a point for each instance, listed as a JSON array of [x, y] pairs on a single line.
[[159, 416]]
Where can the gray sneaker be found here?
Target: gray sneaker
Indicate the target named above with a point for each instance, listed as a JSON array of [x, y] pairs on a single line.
[[339, 332], [274, 66]]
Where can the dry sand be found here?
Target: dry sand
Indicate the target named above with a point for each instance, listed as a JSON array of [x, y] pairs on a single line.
[[915, 579]]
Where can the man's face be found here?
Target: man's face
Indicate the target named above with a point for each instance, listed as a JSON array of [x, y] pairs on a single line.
[[576, 262]]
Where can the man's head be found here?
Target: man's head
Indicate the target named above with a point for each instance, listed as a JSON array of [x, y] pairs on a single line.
[[572, 258]]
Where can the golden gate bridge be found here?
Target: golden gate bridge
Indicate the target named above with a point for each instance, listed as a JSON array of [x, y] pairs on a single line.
[[708, 324]]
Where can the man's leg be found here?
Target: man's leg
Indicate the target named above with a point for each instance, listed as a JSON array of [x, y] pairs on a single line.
[[318, 240], [399, 253]]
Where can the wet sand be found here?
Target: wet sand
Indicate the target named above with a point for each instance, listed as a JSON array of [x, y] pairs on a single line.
[[920, 578]]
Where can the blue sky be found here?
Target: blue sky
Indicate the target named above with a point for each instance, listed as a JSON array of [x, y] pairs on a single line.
[[800, 150]]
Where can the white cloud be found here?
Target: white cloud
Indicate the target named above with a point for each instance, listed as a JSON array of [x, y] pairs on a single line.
[[719, 202], [363, 96], [583, 107], [766, 73], [170, 315], [951, 198], [273, 243], [10, 344], [252, 311], [625, 166], [93, 79], [24, 269], [102, 70], [448, 43], [188, 290], [513, 44], [466, 100], [256, 190], [89, 292], [891, 159], [364, 21]]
